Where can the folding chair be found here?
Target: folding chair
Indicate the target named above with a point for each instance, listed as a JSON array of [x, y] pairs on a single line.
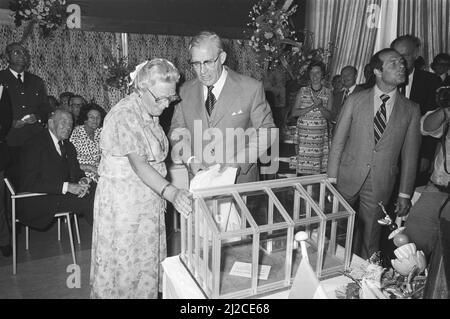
[[14, 220]]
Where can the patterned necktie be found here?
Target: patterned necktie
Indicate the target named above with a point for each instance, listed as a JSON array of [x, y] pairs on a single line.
[[19, 77], [210, 100], [379, 123], [62, 148]]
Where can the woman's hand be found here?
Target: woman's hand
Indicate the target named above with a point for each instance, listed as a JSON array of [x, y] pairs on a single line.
[[180, 198]]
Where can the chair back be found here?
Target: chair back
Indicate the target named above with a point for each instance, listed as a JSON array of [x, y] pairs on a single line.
[[9, 185]]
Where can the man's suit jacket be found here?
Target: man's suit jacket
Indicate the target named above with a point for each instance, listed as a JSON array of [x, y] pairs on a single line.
[[241, 104], [5, 124], [354, 153], [44, 171], [338, 98], [446, 81], [423, 92], [32, 101]]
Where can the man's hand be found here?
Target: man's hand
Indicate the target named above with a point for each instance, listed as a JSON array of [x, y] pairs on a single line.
[[31, 119], [18, 124], [77, 189], [403, 206]]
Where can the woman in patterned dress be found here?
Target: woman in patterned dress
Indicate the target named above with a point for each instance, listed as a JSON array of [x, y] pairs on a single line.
[[313, 108], [129, 240], [86, 139]]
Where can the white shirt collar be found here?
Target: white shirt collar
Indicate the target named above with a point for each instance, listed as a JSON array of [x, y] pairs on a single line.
[[55, 141], [22, 75], [218, 86], [350, 89], [410, 81]]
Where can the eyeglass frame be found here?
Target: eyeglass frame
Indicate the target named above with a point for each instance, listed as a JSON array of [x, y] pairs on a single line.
[[170, 99], [198, 64]]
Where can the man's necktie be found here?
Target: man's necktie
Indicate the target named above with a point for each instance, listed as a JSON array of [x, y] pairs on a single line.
[[62, 148], [402, 89], [19, 77], [210, 100], [379, 123], [345, 96]]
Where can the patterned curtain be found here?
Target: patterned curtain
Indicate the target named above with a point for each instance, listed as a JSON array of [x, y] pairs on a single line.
[[428, 20], [73, 60], [67, 61]]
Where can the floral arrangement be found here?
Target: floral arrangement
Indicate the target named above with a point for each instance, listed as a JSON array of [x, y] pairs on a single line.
[[117, 71], [48, 14], [277, 43], [404, 281]]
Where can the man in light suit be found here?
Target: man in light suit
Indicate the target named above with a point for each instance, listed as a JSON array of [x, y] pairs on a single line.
[[216, 101], [374, 128]]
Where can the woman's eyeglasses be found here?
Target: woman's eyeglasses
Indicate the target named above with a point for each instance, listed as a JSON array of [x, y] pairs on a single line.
[[170, 99]]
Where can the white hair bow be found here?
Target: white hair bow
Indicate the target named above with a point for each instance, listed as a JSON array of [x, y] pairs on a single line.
[[135, 72]]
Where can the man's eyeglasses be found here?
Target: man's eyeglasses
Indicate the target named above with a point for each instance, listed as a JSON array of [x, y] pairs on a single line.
[[208, 63], [170, 99]]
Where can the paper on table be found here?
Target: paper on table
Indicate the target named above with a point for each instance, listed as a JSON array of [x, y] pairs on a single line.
[[245, 270]]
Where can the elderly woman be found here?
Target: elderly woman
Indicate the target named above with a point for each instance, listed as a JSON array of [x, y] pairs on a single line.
[[313, 107], [86, 138], [129, 239]]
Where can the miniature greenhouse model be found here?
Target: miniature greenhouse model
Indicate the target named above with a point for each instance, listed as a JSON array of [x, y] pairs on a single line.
[[259, 255]]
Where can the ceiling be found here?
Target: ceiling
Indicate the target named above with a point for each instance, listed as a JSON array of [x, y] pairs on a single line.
[[178, 17]]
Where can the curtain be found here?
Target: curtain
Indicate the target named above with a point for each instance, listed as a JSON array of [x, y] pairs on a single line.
[[345, 24], [430, 21]]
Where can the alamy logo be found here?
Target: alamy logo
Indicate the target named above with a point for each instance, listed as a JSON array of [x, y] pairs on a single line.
[[235, 145], [74, 279]]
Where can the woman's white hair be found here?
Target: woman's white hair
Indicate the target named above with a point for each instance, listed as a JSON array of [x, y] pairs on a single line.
[[156, 70]]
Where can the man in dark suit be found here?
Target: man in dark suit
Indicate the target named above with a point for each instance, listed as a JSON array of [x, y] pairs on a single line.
[[348, 76], [420, 86], [28, 101], [5, 124], [50, 165], [221, 100], [375, 126], [440, 66]]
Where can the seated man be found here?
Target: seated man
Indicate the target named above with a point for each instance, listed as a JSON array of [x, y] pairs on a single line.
[[49, 165]]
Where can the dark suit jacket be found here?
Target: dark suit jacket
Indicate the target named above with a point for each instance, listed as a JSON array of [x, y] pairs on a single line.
[[44, 171], [5, 124], [446, 81], [338, 97], [423, 92], [32, 101], [354, 153], [241, 104]]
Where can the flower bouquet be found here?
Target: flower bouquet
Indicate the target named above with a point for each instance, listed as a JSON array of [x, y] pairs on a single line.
[[117, 71], [277, 43], [406, 280], [48, 14]]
